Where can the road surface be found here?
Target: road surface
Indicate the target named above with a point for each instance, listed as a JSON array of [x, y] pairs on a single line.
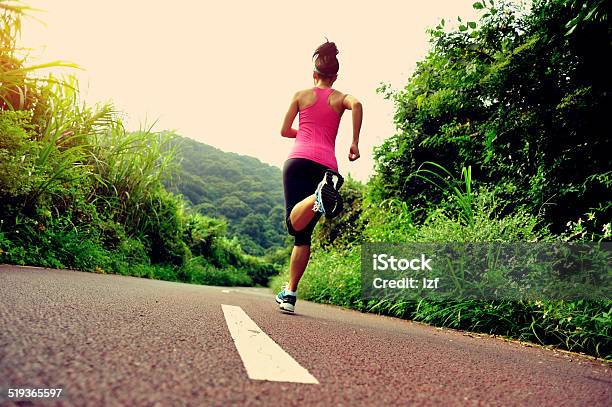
[[115, 340]]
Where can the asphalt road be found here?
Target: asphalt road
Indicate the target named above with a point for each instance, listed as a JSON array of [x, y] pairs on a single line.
[[114, 340]]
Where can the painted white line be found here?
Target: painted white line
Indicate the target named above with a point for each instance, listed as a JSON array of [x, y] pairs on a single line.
[[263, 359]]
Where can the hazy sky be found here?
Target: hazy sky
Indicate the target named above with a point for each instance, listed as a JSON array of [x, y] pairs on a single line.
[[224, 72]]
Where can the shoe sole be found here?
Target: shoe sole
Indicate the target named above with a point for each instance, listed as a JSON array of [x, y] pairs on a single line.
[[336, 211], [331, 194], [285, 306], [329, 179], [333, 200], [330, 197]]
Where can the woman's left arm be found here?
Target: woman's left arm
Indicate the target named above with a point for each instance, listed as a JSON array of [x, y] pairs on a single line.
[[287, 130]]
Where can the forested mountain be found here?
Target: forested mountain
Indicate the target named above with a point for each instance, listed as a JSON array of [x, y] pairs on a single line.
[[242, 189]]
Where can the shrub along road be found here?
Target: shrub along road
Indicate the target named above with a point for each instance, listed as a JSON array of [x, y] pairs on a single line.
[[109, 339]]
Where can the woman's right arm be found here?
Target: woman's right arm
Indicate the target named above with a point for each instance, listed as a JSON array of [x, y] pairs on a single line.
[[351, 103]]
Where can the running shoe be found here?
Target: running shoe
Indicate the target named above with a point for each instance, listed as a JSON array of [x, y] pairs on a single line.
[[286, 302], [327, 198]]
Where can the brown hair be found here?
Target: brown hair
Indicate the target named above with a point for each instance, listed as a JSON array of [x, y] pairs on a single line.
[[326, 64]]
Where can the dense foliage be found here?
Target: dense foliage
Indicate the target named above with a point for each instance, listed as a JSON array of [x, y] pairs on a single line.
[[521, 101], [241, 189], [79, 191], [501, 137]]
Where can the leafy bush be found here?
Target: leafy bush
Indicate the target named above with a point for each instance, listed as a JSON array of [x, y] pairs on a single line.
[[201, 232], [201, 271], [517, 99]]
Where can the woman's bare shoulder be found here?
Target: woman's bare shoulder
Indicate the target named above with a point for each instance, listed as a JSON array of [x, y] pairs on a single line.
[[304, 92], [338, 96], [304, 97]]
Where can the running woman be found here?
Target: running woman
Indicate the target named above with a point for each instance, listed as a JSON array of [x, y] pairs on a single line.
[[310, 174]]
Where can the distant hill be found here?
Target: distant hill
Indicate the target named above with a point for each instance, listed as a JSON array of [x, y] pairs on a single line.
[[242, 189]]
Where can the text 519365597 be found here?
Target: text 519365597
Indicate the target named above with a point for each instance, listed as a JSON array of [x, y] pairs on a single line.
[[29, 393]]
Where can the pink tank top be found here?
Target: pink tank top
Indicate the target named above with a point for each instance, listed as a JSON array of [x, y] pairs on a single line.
[[316, 136]]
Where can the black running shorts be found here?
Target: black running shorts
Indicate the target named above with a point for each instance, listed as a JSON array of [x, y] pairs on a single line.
[[300, 179]]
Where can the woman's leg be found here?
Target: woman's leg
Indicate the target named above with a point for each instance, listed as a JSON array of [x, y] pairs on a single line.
[[297, 265], [301, 248], [300, 179], [302, 213]]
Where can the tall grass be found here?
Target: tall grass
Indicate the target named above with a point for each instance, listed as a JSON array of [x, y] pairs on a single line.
[[18, 81], [460, 189], [129, 168]]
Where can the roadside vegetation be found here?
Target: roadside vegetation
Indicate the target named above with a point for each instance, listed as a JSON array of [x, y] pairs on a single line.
[[501, 137], [77, 190]]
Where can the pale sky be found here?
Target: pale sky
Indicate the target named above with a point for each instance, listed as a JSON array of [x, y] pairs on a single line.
[[223, 72]]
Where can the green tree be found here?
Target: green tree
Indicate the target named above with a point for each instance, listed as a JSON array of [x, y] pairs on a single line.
[[517, 99], [233, 208]]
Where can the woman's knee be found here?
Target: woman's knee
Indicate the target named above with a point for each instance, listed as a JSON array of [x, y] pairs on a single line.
[[293, 231], [303, 236], [290, 228], [303, 239]]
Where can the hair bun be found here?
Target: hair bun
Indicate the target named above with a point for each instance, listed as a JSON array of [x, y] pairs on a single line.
[[327, 49], [326, 63]]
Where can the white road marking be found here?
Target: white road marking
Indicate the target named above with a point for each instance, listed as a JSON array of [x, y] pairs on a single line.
[[263, 359]]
